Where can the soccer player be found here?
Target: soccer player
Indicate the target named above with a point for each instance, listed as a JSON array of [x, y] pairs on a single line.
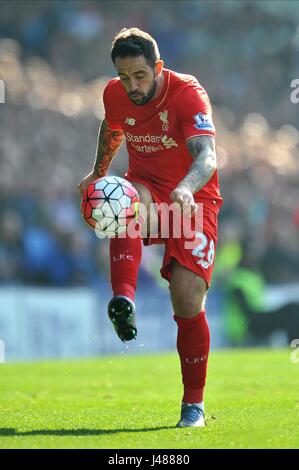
[[166, 120]]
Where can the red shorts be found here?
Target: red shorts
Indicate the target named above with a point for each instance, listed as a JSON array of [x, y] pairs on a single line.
[[196, 253]]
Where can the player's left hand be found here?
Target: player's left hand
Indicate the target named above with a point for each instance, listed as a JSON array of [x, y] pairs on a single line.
[[184, 197]]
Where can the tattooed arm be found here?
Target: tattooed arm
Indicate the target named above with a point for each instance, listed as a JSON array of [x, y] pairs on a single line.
[[202, 149], [109, 142]]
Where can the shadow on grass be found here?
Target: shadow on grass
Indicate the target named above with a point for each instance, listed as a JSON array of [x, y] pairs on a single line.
[[75, 432]]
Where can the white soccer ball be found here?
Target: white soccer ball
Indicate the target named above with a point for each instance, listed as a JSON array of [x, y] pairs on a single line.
[[109, 204]]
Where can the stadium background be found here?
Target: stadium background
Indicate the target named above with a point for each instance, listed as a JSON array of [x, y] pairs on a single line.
[[54, 62]]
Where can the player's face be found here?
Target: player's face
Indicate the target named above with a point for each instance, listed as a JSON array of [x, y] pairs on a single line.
[[138, 78]]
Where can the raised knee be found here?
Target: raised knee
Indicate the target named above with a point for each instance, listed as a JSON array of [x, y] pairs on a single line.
[[147, 211]]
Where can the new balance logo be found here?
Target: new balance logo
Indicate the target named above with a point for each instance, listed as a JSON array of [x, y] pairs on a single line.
[[130, 121], [203, 264]]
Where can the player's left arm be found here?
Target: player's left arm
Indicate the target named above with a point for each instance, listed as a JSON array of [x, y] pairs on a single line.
[[202, 149]]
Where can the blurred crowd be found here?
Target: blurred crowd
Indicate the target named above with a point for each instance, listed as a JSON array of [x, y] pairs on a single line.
[[245, 52], [54, 61]]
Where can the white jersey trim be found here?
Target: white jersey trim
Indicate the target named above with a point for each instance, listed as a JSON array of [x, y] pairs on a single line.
[[198, 135], [166, 91]]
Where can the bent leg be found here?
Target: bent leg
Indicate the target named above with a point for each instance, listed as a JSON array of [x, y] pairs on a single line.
[[126, 253], [150, 216]]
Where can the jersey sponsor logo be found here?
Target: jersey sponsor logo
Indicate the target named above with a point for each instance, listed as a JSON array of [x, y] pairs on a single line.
[[164, 118], [130, 121], [164, 142], [140, 139], [203, 122], [168, 142]]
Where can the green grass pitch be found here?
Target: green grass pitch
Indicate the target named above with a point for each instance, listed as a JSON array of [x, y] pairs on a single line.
[[125, 401]]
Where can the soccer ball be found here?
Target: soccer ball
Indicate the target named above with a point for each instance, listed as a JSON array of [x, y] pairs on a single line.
[[109, 204]]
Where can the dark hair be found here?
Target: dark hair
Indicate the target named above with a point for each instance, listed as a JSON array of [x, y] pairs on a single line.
[[132, 42]]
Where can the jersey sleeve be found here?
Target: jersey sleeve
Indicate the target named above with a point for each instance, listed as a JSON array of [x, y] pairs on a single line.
[[194, 112], [108, 106]]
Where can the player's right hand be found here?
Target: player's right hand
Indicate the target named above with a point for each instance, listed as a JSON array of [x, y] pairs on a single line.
[[83, 185], [183, 196]]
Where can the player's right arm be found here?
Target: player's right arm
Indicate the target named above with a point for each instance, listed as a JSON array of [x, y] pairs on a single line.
[[108, 144], [109, 141]]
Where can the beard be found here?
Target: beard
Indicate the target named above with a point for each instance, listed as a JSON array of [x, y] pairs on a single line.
[[143, 98]]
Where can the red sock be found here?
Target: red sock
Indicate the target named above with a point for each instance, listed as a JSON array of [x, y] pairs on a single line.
[[193, 344], [125, 257]]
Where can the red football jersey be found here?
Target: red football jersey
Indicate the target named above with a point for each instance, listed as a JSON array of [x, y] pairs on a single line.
[[156, 133]]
